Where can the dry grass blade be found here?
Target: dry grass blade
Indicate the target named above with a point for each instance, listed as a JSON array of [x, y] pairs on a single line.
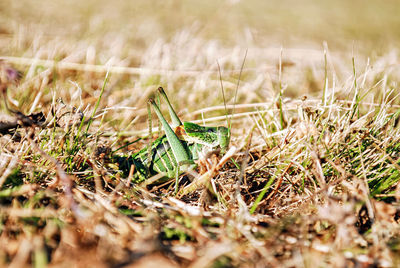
[[205, 178]]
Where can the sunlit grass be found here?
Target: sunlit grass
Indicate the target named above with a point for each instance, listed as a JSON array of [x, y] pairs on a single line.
[[314, 180]]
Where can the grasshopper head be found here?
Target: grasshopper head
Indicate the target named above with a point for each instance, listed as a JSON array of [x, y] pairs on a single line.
[[224, 137], [209, 136]]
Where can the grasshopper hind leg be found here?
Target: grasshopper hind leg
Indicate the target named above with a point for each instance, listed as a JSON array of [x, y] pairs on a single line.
[[174, 117], [179, 151]]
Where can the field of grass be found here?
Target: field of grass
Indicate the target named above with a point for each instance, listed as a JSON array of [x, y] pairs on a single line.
[[312, 179]]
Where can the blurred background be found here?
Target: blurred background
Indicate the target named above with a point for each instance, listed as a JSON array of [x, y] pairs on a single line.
[[373, 25], [176, 44]]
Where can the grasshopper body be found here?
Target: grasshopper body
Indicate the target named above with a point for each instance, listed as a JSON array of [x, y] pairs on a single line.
[[179, 148]]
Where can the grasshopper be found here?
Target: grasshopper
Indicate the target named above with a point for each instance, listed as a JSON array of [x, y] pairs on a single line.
[[176, 151]]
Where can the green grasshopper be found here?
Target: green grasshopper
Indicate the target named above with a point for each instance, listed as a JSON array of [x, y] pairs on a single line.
[[176, 151]]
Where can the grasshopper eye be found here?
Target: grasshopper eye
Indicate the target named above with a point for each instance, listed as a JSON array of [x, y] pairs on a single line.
[[223, 138]]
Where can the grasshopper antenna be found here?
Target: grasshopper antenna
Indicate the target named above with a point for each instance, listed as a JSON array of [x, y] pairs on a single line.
[[237, 87], [223, 93]]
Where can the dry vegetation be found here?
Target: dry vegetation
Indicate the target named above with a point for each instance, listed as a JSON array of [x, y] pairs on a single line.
[[313, 181]]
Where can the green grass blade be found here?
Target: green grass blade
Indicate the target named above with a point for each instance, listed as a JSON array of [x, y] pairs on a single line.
[[261, 195], [98, 100]]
